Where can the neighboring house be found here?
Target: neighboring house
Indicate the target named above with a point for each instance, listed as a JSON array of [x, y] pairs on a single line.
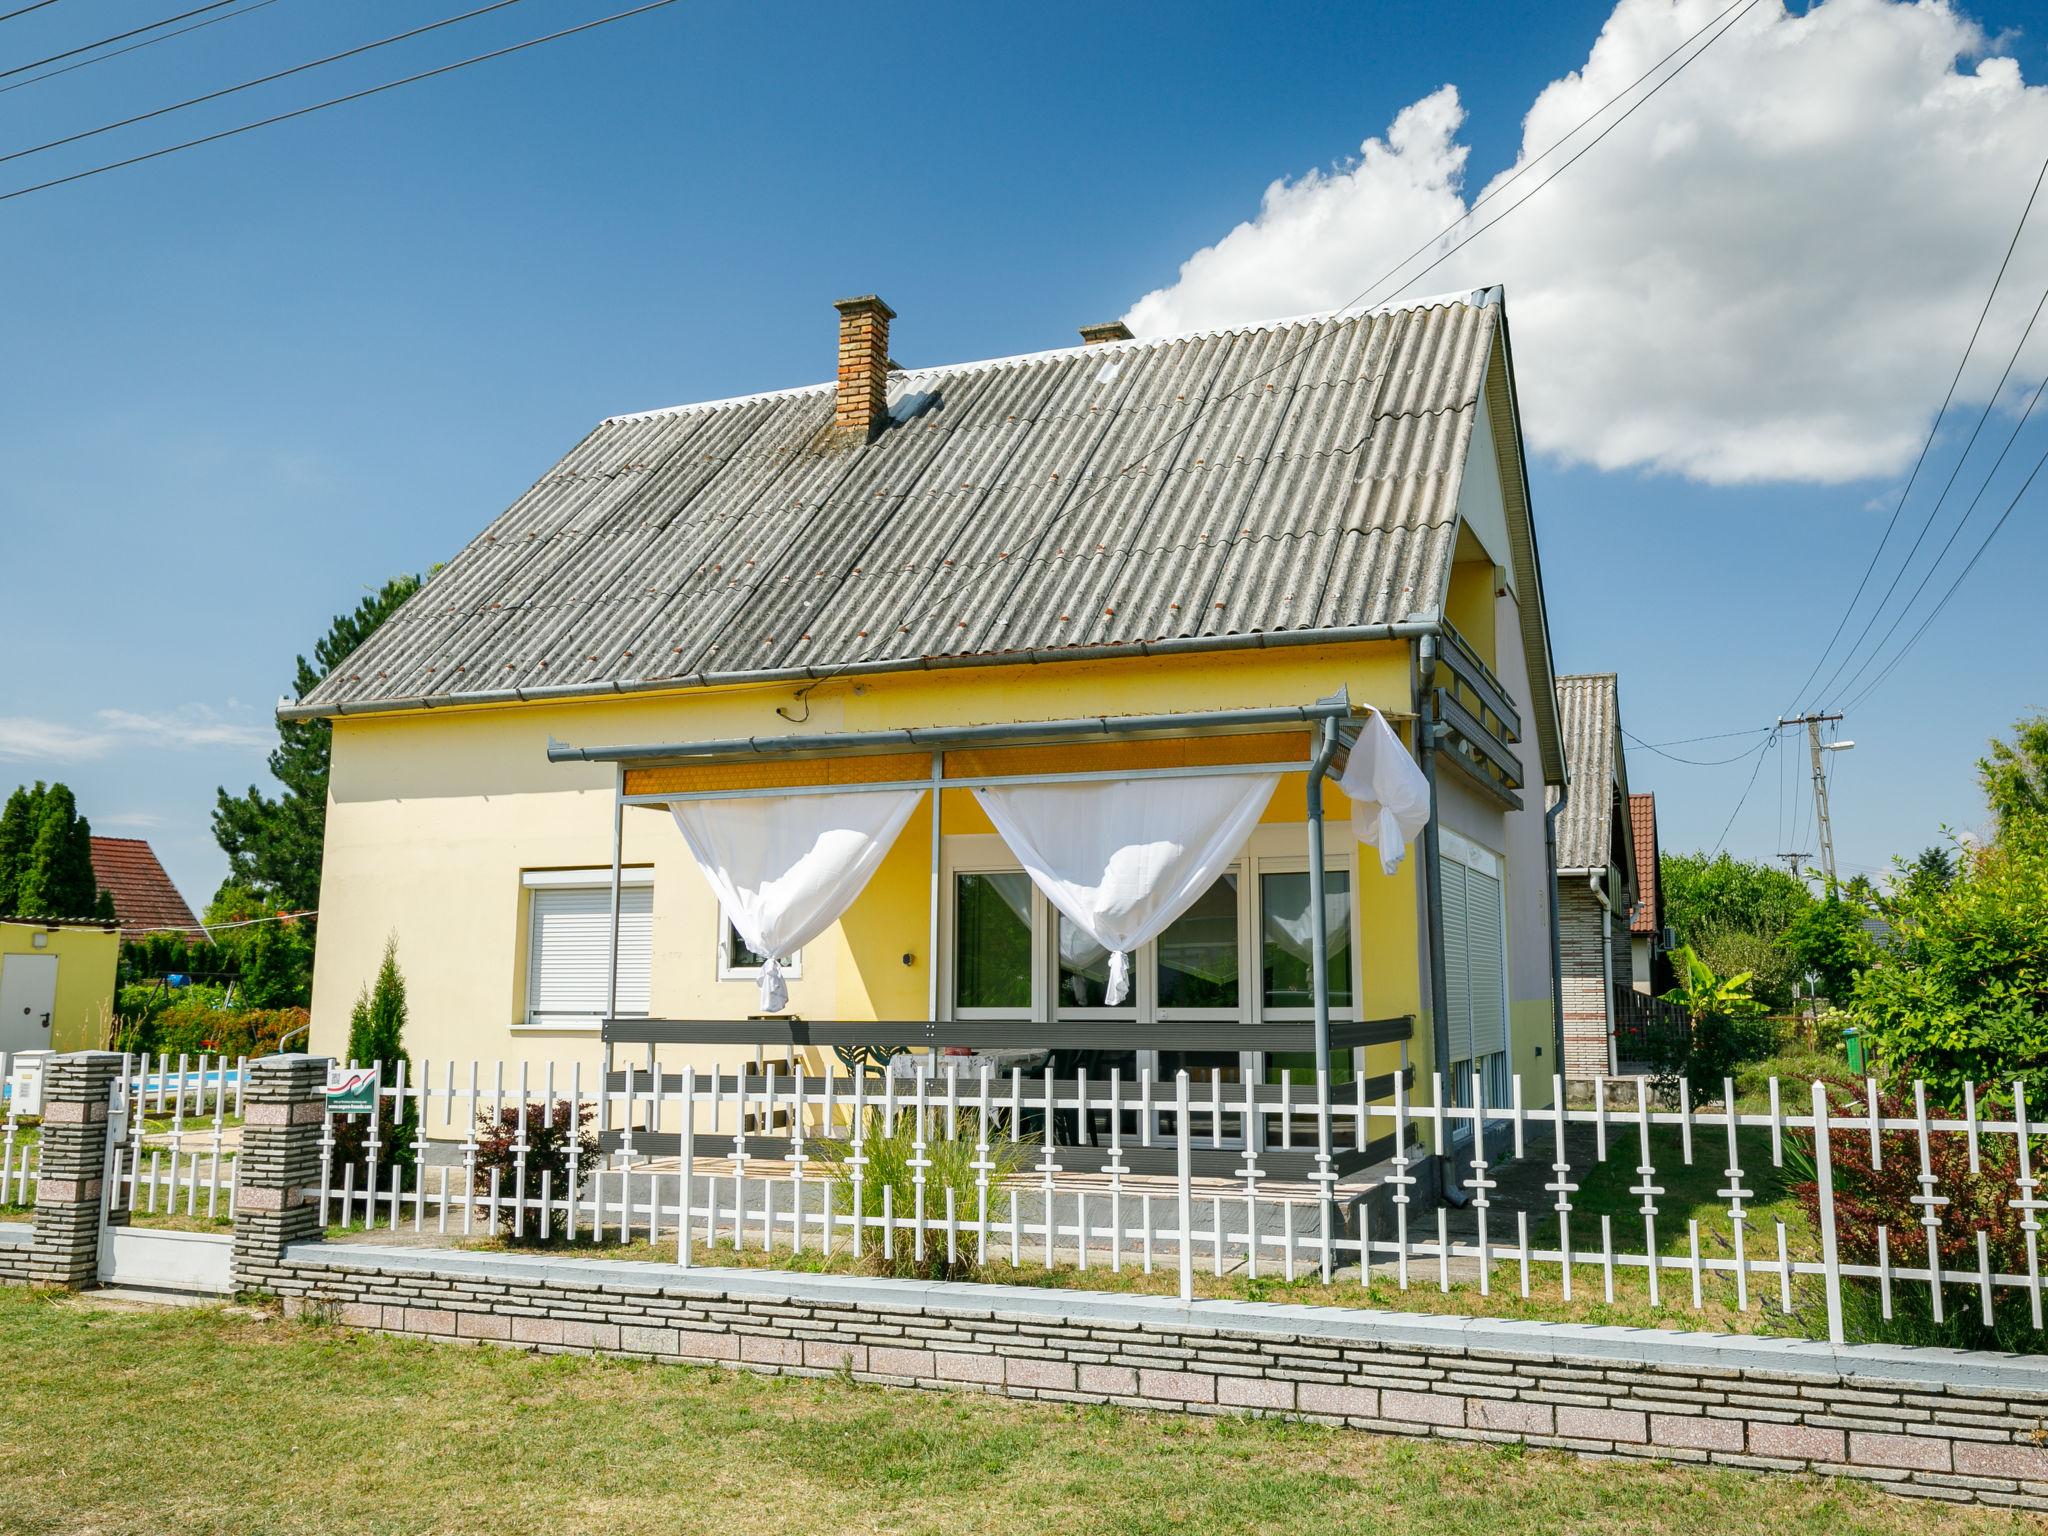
[[1596, 873], [145, 901], [1144, 561], [56, 983], [1649, 968]]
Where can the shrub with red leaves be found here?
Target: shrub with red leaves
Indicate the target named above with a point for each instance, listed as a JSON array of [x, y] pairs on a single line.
[[1870, 1193], [551, 1130]]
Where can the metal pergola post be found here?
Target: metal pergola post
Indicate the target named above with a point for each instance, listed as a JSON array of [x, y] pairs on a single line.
[[1319, 973]]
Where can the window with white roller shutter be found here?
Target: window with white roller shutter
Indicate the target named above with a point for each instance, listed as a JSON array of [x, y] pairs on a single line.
[[568, 944], [1475, 954]]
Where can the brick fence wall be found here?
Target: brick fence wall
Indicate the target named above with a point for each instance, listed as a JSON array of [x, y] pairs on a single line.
[[16, 1239], [1939, 1424], [1583, 954]]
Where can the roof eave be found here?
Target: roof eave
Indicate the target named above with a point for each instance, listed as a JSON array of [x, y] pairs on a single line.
[[1406, 629]]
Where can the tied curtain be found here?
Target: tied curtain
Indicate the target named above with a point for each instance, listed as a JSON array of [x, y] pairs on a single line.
[[787, 867], [1389, 795], [1122, 860]]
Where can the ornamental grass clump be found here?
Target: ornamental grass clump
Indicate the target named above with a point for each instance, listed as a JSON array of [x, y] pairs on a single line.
[[887, 1177]]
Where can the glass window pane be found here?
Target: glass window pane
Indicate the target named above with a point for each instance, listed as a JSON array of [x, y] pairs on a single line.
[[1084, 970], [992, 940], [1286, 937], [1198, 953], [1301, 1067], [739, 954]]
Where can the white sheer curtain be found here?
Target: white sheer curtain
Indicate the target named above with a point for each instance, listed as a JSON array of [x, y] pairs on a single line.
[[788, 866], [1389, 795], [1122, 859]]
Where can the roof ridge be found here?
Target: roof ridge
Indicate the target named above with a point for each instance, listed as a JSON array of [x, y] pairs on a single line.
[[1475, 297]]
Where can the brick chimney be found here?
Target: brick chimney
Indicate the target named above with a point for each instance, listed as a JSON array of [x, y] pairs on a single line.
[[863, 401], [1109, 330]]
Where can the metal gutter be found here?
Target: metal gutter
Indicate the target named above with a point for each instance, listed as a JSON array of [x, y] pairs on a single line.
[[1406, 629], [938, 737]]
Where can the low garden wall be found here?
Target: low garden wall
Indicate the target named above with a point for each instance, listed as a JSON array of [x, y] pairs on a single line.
[[16, 1240], [1941, 1424]]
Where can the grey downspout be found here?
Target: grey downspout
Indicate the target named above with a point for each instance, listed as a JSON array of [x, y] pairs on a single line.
[[1564, 792], [1319, 973], [1433, 897]]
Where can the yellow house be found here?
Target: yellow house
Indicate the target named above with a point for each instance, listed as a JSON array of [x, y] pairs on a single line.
[[1166, 563], [57, 980]]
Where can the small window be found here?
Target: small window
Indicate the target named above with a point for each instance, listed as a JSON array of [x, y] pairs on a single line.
[[568, 956], [740, 961], [1286, 969], [992, 940]]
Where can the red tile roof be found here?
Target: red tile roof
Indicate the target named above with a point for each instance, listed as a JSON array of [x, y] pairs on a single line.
[[1647, 914], [144, 898]]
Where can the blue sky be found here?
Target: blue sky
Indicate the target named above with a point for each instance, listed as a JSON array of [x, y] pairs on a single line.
[[248, 383]]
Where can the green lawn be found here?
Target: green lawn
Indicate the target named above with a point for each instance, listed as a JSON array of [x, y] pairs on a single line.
[[199, 1421]]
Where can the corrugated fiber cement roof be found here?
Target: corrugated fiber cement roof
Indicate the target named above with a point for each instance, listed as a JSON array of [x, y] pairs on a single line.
[[1294, 476]]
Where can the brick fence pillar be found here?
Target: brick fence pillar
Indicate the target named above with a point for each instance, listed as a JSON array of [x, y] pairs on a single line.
[[77, 1091], [277, 1200]]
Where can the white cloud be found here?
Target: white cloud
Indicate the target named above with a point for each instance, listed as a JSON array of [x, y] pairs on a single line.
[[1767, 273], [29, 740], [191, 726]]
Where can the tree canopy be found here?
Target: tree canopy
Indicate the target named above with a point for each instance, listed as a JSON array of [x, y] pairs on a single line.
[[274, 845], [1960, 992], [2015, 777], [46, 857]]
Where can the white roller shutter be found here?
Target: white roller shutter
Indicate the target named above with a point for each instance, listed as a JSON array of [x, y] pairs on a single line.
[[569, 949], [1487, 971], [1457, 961]]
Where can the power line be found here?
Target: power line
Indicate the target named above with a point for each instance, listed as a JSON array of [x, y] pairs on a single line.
[[1933, 428], [336, 101], [1762, 749], [39, 5], [1697, 762], [69, 53], [1927, 523], [230, 90], [1686, 741], [1961, 523], [1914, 640], [133, 47], [1740, 8]]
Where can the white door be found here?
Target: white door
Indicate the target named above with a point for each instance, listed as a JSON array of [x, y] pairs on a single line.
[[28, 996]]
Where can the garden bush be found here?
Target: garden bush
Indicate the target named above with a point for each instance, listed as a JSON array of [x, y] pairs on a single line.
[[1872, 1193], [197, 1024], [1960, 994], [552, 1133]]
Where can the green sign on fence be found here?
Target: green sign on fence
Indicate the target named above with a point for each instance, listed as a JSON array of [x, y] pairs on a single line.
[[354, 1092]]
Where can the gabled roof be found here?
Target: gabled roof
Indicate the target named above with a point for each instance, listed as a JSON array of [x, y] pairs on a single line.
[[1589, 714], [1647, 916], [145, 901], [1283, 481]]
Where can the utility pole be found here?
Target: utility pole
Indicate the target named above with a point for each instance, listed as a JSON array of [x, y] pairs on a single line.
[[1825, 832], [1794, 860]]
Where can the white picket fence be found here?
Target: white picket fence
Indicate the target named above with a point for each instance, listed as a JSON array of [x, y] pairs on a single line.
[[189, 1163], [178, 1156], [1023, 1204]]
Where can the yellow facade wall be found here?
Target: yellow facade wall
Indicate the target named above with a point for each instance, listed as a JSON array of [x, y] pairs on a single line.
[[434, 814], [87, 961]]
